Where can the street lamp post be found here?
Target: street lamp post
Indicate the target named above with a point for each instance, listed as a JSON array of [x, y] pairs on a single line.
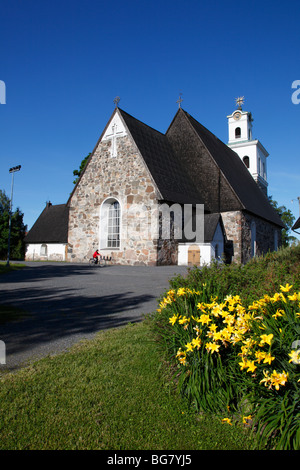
[[12, 171]]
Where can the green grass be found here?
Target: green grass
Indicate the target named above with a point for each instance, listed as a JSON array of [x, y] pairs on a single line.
[[4, 269], [111, 393]]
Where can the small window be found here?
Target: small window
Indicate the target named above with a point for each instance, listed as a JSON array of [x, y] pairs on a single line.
[[253, 239], [246, 160], [44, 250], [237, 132]]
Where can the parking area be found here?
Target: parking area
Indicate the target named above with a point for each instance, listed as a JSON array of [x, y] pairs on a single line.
[[66, 303]]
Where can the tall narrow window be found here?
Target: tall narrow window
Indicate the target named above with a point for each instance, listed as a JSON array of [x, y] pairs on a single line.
[[110, 224], [246, 161], [113, 225], [237, 132], [253, 239]]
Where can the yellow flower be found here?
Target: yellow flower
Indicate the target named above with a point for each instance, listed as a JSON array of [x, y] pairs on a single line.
[[279, 313], [246, 419], [204, 319], [267, 379], [212, 347], [181, 291], [268, 358], [295, 296], [279, 379], [189, 347], [196, 342], [295, 356], [201, 306], [260, 355], [227, 420], [276, 297], [251, 366], [243, 364], [287, 288], [266, 339], [183, 320], [173, 319]]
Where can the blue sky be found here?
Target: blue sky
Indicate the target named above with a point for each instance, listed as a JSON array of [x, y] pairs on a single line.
[[63, 62]]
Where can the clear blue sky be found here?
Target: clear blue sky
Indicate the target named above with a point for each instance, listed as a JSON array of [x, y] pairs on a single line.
[[63, 63]]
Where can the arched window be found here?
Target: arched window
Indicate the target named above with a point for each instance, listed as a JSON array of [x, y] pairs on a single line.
[[275, 240], [44, 250], [246, 160], [110, 224], [237, 132]]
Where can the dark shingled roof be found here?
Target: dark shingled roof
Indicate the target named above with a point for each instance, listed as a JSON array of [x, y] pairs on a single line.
[[237, 175], [210, 225], [166, 169], [51, 226], [174, 165]]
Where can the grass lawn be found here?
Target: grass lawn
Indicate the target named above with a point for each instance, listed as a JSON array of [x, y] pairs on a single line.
[[110, 393], [12, 267]]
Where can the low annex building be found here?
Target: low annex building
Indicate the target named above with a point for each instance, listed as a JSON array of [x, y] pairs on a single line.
[[134, 170]]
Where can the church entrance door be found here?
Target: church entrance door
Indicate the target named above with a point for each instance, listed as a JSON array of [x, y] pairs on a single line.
[[194, 256]]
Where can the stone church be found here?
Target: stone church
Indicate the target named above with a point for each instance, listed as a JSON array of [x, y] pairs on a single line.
[[134, 170]]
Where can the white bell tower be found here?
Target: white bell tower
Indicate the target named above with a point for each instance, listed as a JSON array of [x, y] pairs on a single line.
[[250, 151]]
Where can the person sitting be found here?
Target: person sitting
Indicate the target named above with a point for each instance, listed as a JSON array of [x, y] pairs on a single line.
[[96, 256]]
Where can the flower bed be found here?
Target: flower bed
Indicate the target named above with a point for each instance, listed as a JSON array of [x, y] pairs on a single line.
[[240, 359]]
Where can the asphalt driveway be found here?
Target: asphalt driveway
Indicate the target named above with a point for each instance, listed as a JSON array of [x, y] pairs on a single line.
[[66, 303]]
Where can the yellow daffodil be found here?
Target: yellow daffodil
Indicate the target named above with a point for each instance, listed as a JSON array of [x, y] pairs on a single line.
[[212, 347], [268, 358], [173, 319], [266, 339], [189, 347], [196, 342], [276, 297], [204, 319], [227, 421], [181, 291], [251, 366], [285, 288], [279, 378], [279, 313], [183, 320], [295, 356], [246, 419]]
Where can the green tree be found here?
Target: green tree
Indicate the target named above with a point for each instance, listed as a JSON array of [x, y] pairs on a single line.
[[288, 219], [18, 230], [81, 168]]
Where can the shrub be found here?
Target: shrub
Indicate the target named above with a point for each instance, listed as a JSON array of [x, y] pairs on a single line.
[[232, 354]]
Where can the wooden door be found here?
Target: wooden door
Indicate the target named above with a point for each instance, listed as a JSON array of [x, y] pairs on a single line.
[[194, 256]]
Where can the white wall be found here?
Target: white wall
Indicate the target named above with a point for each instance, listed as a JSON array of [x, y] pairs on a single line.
[[54, 252], [207, 250]]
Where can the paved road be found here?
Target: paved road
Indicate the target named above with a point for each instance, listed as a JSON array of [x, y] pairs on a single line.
[[70, 302]]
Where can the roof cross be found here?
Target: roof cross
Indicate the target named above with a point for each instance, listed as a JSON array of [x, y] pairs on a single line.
[[116, 100], [180, 100]]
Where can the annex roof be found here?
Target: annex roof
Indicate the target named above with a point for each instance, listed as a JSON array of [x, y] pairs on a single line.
[[51, 226]]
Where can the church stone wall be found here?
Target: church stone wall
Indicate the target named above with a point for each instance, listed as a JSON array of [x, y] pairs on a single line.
[[239, 235], [125, 178]]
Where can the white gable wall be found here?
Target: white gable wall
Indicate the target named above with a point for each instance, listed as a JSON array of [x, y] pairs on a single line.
[[207, 250], [45, 252]]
